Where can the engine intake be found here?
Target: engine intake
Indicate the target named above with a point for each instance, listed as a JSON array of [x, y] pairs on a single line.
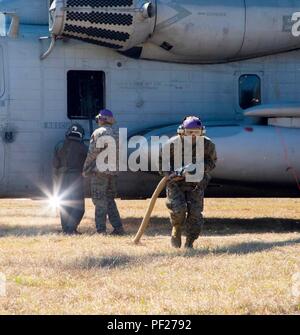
[[198, 31], [117, 24]]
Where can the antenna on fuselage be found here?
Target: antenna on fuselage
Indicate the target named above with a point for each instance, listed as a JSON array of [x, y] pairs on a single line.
[[51, 46], [14, 28], [54, 7]]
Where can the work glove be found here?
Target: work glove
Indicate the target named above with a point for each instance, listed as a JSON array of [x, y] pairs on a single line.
[[177, 175], [182, 172]]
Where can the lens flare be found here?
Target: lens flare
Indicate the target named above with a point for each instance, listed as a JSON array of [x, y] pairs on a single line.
[[55, 201]]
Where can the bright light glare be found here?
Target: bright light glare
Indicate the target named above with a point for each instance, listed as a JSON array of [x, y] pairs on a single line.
[[54, 202]]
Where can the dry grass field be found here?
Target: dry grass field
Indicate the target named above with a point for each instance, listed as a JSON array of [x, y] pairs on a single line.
[[243, 264]]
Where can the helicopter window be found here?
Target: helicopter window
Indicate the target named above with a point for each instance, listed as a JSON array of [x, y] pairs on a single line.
[[85, 93], [249, 91]]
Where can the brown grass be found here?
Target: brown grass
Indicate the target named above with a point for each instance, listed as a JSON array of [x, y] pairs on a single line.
[[243, 263]]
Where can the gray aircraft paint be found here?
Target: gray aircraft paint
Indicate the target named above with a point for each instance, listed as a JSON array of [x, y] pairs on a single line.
[[30, 11], [143, 95], [265, 154], [199, 31]]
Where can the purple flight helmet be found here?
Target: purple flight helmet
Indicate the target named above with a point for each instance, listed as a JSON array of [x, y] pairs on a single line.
[[193, 123], [105, 115]]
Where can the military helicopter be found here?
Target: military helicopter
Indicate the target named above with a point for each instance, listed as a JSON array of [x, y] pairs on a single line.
[[234, 63]]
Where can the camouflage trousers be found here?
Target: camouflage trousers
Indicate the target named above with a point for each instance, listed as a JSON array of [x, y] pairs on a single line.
[[103, 190], [185, 203]]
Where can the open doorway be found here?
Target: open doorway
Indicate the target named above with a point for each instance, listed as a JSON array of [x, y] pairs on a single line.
[[85, 94]]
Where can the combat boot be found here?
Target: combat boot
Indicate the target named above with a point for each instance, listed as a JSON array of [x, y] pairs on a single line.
[[71, 232], [101, 231], [118, 231], [189, 243], [176, 238]]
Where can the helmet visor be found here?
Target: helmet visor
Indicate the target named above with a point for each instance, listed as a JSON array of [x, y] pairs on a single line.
[[193, 132]]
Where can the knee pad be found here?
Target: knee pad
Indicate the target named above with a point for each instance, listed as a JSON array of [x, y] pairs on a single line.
[[178, 217]]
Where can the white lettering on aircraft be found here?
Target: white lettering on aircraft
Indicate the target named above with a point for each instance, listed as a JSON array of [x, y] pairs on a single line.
[[296, 25]]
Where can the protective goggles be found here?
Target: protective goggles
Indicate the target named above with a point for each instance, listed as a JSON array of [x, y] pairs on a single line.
[[194, 132], [107, 119]]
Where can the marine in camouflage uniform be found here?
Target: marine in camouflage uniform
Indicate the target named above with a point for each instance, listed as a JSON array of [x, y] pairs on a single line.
[[67, 168], [103, 184], [185, 199]]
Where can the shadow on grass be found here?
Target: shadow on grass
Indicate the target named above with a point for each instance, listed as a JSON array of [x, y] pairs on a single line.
[[243, 248], [217, 226], [124, 261], [7, 230], [161, 226]]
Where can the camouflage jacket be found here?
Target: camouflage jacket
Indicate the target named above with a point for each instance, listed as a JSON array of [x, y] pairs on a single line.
[[90, 165], [210, 158]]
